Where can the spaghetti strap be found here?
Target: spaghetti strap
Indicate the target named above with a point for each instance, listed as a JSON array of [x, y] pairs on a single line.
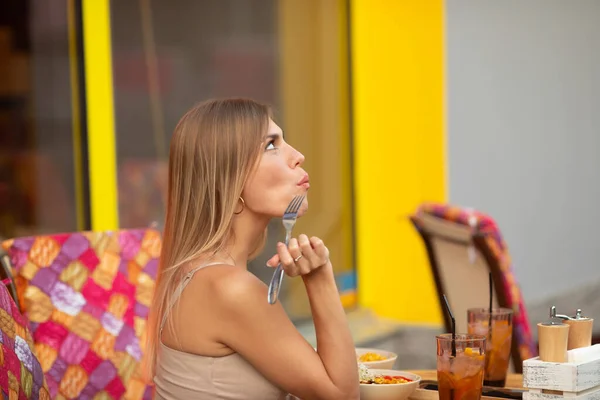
[[179, 290]]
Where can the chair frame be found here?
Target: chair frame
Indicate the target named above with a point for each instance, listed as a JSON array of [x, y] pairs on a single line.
[[7, 278], [493, 265]]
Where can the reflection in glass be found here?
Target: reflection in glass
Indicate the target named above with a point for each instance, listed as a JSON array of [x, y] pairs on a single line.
[[37, 169]]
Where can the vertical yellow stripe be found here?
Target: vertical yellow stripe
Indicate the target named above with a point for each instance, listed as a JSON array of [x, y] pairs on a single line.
[[397, 78], [76, 116], [100, 114]]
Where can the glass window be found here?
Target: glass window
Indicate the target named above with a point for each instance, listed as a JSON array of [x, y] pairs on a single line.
[[39, 151], [292, 54]]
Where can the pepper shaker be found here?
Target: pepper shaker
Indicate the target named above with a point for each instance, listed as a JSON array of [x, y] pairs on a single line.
[[580, 331]]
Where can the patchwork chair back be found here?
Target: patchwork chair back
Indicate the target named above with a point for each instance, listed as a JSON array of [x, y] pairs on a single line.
[[21, 374], [463, 247], [86, 296]]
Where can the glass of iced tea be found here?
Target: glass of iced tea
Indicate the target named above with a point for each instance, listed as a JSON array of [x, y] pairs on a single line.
[[498, 343], [460, 375]]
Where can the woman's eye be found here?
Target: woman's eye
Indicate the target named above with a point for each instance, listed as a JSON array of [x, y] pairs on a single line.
[[270, 146]]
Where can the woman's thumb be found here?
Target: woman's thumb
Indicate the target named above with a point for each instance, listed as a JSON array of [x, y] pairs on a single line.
[[273, 261]]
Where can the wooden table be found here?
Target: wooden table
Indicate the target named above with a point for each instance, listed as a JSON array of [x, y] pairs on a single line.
[[513, 381]]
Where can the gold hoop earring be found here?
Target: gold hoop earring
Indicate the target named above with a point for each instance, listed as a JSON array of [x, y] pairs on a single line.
[[243, 206]]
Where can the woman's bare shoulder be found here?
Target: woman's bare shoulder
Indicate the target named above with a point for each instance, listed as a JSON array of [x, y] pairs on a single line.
[[231, 285]]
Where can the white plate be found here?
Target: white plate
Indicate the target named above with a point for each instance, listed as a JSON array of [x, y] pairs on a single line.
[[399, 391]]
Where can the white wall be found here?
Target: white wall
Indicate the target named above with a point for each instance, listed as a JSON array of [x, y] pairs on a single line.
[[523, 120]]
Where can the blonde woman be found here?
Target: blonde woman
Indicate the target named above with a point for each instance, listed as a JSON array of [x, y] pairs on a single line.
[[212, 334]]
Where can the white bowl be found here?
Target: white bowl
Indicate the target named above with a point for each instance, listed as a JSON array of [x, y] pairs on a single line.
[[398, 391], [388, 363]]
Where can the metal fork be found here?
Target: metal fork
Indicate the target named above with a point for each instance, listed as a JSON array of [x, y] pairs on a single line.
[[289, 220]]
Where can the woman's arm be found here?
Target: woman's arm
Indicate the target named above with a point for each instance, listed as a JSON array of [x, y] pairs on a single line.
[[264, 335], [334, 341]]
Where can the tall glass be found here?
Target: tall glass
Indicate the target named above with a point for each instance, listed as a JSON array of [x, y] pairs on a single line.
[[499, 340], [460, 377]]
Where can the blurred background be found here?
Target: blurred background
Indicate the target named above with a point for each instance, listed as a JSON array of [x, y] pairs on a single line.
[[486, 104]]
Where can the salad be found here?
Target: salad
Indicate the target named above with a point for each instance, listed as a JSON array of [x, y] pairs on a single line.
[[368, 377]]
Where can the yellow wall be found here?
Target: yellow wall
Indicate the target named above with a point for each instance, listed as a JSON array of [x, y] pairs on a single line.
[[100, 114], [399, 149]]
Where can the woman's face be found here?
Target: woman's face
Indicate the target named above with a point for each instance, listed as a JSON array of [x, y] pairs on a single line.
[[278, 178]]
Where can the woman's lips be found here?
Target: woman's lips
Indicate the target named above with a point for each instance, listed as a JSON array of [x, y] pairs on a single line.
[[304, 182]]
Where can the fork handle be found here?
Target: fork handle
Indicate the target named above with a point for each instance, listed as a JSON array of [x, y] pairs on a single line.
[[275, 284], [277, 279]]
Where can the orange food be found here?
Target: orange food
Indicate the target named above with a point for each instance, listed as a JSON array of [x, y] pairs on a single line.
[[388, 380], [370, 356]]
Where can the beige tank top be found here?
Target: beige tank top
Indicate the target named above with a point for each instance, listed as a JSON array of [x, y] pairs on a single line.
[[181, 375]]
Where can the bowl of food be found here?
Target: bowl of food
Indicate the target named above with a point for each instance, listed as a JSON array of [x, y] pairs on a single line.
[[386, 384], [375, 358]]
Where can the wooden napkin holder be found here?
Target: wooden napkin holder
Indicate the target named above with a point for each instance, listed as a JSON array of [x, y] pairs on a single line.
[[551, 381]]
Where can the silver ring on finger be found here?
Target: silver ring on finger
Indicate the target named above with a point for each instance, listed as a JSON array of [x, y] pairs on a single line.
[[298, 258]]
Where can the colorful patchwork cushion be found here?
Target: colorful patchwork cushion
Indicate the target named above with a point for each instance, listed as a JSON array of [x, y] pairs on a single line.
[[485, 225], [86, 296], [21, 375]]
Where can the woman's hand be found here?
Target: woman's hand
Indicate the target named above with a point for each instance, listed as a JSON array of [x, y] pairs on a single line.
[[302, 256]]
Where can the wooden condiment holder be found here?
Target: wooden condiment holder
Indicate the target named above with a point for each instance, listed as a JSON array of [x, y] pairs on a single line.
[[580, 331], [553, 339]]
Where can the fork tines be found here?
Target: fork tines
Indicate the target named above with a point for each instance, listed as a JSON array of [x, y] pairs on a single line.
[[293, 207]]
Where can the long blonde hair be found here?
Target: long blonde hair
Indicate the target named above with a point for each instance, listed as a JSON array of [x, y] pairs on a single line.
[[214, 149]]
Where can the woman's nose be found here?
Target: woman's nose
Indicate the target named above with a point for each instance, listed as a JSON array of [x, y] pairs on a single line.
[[298, 159]]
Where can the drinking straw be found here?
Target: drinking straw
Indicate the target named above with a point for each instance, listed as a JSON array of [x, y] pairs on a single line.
[[453, 326]]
